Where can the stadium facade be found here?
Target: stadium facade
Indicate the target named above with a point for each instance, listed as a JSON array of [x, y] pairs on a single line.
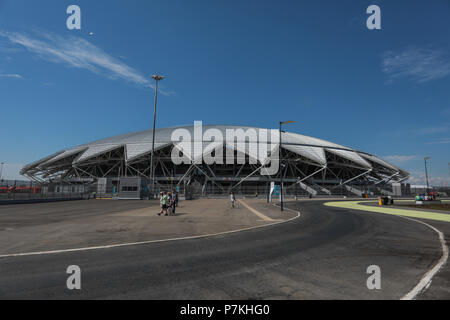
[[308, 165]]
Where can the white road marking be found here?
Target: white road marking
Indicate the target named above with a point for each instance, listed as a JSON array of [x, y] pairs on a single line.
[[145, 242], [426, 279]]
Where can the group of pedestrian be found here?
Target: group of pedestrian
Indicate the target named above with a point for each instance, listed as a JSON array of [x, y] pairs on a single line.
[[168, 202]]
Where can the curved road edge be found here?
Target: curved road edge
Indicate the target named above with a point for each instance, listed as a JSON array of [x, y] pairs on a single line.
[[426, 279]]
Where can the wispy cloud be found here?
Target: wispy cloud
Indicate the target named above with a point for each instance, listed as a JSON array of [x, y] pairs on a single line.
[[433, 130], [11, 75], [419, 178], [399, 159], [419, 132], [78, 53], [418, 64], [442, 141]]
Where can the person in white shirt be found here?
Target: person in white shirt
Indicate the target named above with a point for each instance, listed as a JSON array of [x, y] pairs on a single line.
[[232, 199]]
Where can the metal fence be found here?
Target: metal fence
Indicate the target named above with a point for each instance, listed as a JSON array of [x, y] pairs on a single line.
[[31, 190], [299, 190], [24, 190]]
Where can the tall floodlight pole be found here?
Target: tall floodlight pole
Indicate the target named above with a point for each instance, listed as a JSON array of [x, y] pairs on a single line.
[[1, 171], [426, 171], [281, 165], [152, 175]]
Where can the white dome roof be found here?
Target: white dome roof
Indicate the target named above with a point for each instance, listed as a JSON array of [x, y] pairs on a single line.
[[139, 143]]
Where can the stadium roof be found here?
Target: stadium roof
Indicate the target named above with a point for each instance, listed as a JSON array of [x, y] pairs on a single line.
[[138, 144]]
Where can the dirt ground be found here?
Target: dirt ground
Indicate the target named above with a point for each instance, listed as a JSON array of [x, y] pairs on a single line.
[[86, 223]]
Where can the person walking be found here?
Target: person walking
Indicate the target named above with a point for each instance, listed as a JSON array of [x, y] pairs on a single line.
[[174, 201], [176, 198], [169, 204], [162, 203], [232, 199]]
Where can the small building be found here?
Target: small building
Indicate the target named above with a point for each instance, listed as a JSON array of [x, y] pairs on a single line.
[[133, 188]]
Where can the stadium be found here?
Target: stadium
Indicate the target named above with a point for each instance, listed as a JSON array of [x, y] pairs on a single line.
[[122, 165]]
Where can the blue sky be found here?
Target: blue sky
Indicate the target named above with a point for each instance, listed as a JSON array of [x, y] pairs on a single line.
[[228, 62]]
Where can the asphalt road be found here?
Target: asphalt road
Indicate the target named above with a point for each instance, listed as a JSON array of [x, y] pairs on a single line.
[[322, 255]]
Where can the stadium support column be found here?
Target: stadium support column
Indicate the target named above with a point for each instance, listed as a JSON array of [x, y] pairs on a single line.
[[281, 164], [356, 177], [152, 174]]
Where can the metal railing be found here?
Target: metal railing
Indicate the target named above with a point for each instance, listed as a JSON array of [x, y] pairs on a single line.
[[17, 190], [28, 190]]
